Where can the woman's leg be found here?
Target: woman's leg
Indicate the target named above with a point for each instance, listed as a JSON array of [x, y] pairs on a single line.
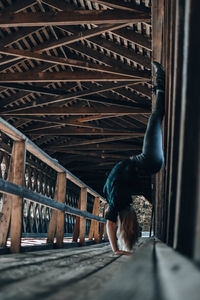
[[152, 157], [152, 144]]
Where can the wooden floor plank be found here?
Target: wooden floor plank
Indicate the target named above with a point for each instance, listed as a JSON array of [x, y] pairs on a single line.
[[39, 275]]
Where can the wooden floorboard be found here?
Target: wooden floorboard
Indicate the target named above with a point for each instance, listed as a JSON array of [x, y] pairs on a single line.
[[153, 272], [53, 274]]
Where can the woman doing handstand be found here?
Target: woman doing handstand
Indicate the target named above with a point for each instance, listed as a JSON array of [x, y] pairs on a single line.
[[127, 176]]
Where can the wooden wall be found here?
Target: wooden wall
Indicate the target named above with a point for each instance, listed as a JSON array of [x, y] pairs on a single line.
[[176, 31]]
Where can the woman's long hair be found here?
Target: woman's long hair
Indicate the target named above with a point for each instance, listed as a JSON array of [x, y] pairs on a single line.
[[128, 229]]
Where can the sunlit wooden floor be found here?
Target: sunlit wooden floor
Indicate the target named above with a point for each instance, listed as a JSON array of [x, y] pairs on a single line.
[[77, 273], [153, 272]]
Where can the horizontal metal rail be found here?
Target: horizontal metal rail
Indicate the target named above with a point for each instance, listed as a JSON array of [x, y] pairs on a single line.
[[11, 188]]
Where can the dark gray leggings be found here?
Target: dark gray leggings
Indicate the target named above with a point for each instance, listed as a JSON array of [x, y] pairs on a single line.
[[152, 158]]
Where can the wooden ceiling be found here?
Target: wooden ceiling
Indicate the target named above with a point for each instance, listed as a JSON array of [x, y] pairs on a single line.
[[75, 77]]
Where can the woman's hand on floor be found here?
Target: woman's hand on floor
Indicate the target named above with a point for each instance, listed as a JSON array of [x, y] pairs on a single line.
[[121, 252]]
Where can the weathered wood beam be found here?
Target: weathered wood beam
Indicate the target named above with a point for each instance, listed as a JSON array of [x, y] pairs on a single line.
[[85, 131], [113, 147], [12, 207], [94, 227], [82, 223], [53, 111], [11, 188], [76, 231], [18, 35], [113, 47], [118, 4], [73, 120], [130, 95], [59, 5], [78, 36], [67, 18], [32, 88], [93, 141], [142, 90], [41, 126], [94, 154], [122, 51], [134, 37], [65, 98], [18, 6], [56, 224], [67, 62], [140, 118], [7, 60], [91, 53], [66, 76]]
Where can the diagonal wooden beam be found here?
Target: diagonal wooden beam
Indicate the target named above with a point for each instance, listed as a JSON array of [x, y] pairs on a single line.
[[113, 47], [77, 110], [113, 147], [55, 123], [93, 141], [59, 5], [118, 4], [67, 18], [94, 154], [134, 37], [85, 131], [32, 88], [122, 51], [65, 98], [78, 36], [66, 76], [69, 62], [18, 6]]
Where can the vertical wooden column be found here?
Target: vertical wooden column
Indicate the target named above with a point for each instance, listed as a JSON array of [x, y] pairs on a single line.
[[83, 206], [177, 78], [103, 231], [56, 224], [157, 55], [60, 215], [77, 224], [17, 202], [94, 228], [12, 204], [187, 224]]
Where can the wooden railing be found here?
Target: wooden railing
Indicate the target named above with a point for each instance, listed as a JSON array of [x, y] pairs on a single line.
[[39, 195]]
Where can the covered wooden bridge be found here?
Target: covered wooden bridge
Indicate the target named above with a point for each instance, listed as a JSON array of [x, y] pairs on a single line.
[[75, 97]]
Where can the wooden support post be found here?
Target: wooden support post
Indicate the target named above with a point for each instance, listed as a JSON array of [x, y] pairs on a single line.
[[83, 206], [102, 226], [94, 228], [77, 224], [60, 215], [56, 224], [12, 204]]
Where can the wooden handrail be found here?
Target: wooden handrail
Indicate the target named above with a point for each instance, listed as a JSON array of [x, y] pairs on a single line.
[[14, 189], [16, 135]]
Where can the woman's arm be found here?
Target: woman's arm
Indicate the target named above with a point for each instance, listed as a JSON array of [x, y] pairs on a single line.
[[111, 231]]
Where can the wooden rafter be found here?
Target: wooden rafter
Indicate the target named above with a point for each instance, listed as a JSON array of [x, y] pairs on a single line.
[[78, 36], [93, 141], [77, 110], [67, 18], [70, 62], [99, 147], [118, 4], [86, 131], [68, 97], [67, 76], [18, 6]]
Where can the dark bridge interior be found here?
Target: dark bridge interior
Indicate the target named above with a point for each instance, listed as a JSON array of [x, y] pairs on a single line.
[[76, 79], [75, 98]]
